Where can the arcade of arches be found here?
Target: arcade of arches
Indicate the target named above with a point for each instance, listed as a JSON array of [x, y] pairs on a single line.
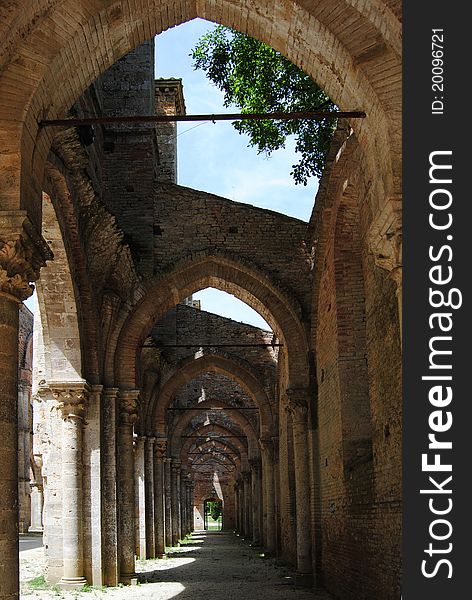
[[143, 405]]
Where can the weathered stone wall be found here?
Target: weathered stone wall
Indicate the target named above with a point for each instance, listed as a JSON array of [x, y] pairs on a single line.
[[188, 325], [188, 221], [169, 101], [209, 478], [358, 357], [129, 150]]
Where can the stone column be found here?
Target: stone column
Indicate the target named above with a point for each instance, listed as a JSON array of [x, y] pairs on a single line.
[[149, 495], [37, 501], [110, 524], [159, 506], [24, 453], [242, 530], [247, 503], [72, 398], [37, 495], [256, 499], [267, 451], [22, 254], [296, 403], [385, 239], [140, 495], [168, 501], [92, 488], [175, 466], [236, 505], [128, 416], [183, 504], [191, 506]]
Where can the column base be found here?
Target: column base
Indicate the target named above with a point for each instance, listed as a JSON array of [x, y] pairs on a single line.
[[128, 578], [35, 531], [72, 582]]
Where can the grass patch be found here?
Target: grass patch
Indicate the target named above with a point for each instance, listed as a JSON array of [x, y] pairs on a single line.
[[38, 583]]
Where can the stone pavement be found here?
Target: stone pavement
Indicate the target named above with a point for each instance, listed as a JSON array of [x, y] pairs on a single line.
[[212, 566]]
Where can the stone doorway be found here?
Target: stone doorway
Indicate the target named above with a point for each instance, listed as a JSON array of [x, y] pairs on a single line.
[[213, 514]]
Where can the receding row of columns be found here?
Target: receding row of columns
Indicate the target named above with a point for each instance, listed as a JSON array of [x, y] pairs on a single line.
[[163, 499], [254, 502], [256, 485]]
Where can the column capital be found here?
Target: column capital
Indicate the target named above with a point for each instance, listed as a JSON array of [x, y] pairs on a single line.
[[140, 439], [255, 463], [71, 396], [176, 464], [22, 254], [296, 402], [129, 406], [385, 238], [160, 447]]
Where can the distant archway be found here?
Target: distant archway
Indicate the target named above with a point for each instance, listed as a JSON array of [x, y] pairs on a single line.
[[246, 283]]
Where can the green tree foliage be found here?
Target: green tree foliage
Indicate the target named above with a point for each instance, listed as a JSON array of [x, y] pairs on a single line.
[[256, 78], [214, 509]]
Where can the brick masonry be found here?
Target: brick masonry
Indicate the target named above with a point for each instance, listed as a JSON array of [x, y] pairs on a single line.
[[121, 242]]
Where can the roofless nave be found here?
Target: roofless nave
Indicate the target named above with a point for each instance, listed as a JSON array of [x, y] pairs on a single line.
[[297, 430]]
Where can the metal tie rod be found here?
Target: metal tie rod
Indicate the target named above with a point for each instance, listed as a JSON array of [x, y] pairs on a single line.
[[279, 116], [159, 346]]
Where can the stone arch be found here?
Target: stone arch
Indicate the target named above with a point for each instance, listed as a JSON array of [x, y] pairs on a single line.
[[314, 37], [238, 448], [236, 416], [213, 428], [58, 189], [58, 311], [219, 453], [225, 274], [220, 464], [212, 363]]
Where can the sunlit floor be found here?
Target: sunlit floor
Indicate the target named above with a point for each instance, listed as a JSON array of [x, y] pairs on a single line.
[[210, 566]]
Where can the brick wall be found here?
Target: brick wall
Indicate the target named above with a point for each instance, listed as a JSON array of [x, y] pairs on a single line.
[[129, 150], [358, 369], [189, 221], [186, 324]]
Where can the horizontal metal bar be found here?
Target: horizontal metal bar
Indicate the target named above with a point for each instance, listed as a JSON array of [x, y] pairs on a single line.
[[158, 346], [279, 116], [219, 408], [214, 452], [242, 437]]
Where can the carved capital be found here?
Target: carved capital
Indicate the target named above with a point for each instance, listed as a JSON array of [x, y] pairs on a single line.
[[255, 464], [160, 446], [296, 401], [176, 464], [22, 254], [72, 397], [385, 238], [246, 475], [129, 406]]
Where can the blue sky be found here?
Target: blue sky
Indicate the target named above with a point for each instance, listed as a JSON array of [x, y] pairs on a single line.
[[215, 158]]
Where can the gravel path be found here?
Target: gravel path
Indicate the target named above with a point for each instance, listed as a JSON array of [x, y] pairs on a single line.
[[211, 566]]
